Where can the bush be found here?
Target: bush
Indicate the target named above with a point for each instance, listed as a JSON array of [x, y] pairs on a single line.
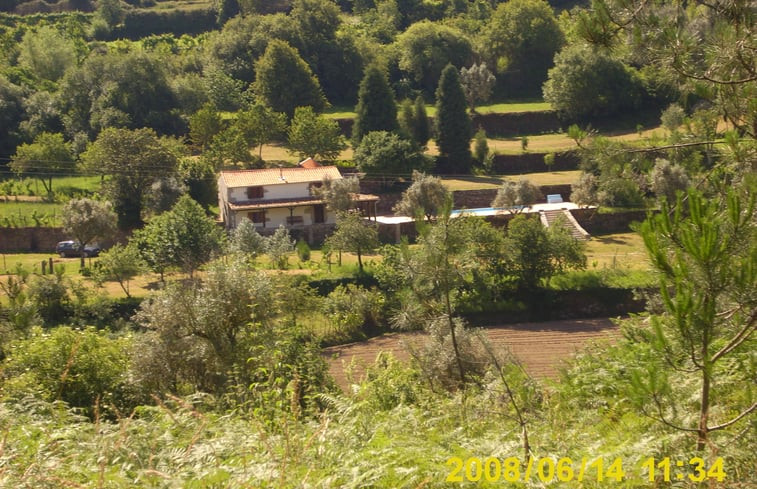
[[303, 250], [353, 310], [79, 367], [585, 83]]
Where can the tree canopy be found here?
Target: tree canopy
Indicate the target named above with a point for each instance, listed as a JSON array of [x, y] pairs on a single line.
[[49, 155], [134, 159], [284, 81], [376, 108], [453, 125], [314, 136]]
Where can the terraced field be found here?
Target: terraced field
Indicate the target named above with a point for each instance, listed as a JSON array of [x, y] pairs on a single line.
[[540, 347]]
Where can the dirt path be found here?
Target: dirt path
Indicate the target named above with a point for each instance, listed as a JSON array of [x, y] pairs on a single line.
[[541, 347]]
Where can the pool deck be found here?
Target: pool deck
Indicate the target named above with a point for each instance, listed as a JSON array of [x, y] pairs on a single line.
[[486, 212]]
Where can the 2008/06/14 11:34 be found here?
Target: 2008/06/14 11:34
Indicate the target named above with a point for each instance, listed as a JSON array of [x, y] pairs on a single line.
[[564, 469]]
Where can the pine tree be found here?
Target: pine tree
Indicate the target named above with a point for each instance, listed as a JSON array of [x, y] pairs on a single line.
[[453, 126], [284, 81], [376, 108], [421, 127]]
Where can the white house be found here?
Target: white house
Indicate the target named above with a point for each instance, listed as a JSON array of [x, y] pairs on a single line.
[[274, 196]]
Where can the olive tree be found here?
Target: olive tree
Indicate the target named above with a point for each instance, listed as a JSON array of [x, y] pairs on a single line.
[[86, 220], [425, 197], [516, 196]]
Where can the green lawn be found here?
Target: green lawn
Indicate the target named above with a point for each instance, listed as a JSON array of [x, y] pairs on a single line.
[[33, 262], [348, 112], [515, 106], [620, 250], [486, 182]]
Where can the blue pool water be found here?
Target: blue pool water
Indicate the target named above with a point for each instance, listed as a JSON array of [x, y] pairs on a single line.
[[481, 211]]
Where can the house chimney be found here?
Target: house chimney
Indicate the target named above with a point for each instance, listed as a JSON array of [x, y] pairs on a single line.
[[281, 174]]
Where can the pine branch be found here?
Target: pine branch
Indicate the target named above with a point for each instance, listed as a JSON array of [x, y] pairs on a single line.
[[734, 420], [742, 336]]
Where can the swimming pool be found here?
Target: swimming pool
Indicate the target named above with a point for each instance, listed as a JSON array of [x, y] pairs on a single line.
[[481, 211]]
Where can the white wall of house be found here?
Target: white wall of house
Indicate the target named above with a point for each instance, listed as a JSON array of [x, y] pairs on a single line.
[[270, 192], [278, 216]]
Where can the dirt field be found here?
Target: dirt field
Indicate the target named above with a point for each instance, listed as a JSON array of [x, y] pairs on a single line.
[[541, 347]]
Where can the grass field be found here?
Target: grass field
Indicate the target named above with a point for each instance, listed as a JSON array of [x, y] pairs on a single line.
[[348, 112], [487, 182], [621, 250]]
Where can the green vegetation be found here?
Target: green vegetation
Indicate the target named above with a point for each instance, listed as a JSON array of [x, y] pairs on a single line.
[[208, 371]]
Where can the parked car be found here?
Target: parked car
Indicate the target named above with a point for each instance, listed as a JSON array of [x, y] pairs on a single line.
[[68, 249]]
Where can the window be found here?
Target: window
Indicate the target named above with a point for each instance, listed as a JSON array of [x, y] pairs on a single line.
[[319, 214], [295, 220], [257, 217], [255, 192]]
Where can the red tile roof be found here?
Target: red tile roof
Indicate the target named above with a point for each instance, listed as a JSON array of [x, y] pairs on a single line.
[[308, 163], [278, 176]]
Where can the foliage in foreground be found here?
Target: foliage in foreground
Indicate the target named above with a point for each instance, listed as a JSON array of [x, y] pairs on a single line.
[[392, 432]]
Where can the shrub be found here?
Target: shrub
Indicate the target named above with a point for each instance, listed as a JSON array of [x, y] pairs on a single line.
[[303, 250], [79, 367]]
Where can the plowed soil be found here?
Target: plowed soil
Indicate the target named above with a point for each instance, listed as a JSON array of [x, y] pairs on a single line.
[[540, 347]]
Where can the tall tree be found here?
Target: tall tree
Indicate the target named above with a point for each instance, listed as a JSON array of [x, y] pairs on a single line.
[[204, 125], [11, 115], [87, 220], [708, 51], [424, 50], [135, 159], [46, 53], [453, 125], [376, 108], [118, 90], [260, 125], [284, 81], [47, 156], [329, 50], [312, 135], [705, 251], [477, 82], [589, 83], [521, 40], [189, 236], [421, 128]]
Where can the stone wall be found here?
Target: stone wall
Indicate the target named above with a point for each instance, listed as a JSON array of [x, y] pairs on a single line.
[[36, 239], [534, 163], [517, 123], [618, 222]]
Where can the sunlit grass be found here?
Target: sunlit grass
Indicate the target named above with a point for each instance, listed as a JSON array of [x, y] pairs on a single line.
[[490, 182], [515, 106], [621, 250], [348, 112]]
